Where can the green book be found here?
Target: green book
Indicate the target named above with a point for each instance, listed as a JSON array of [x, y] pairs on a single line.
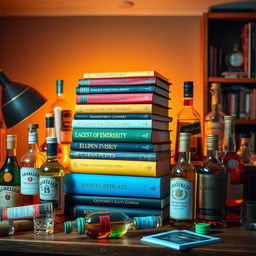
[[120, 135]]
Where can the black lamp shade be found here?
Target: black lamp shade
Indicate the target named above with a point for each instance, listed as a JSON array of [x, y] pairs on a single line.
[[18, 101]]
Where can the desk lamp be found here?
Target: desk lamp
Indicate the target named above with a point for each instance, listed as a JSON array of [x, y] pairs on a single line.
[[18, 101]]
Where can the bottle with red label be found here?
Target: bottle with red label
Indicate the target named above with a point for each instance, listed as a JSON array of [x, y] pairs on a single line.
[[10, 176]]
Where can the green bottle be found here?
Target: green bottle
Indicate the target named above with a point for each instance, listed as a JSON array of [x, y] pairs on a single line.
[[10, 176]]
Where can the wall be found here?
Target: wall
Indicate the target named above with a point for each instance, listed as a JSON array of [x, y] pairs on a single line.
[[39, 50]]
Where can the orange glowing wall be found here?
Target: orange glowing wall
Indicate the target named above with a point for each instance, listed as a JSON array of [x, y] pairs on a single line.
[[39, 50]]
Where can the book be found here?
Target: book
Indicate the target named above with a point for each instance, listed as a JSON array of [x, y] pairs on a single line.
[[136, 116], [118, 135], [147, 147], [120, 123], [150, 73], [122, 89], [120, 155], [117, 185], [125, 81], [117, 201], [180, 239], [76, 211], [128, 98], [120, 167], [121, 108]]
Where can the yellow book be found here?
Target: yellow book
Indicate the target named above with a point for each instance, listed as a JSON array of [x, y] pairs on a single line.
[[121, 167], [150, 73], [121, 108]]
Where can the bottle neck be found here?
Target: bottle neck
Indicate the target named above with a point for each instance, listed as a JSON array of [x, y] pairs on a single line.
[[188, 101], [184, 157], [51, 152], [50, 132], [11, 152], [229, 143], [216, 99], [60, 96], [212, 154], [33, 141]]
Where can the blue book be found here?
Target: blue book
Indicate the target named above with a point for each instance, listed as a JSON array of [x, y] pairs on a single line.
[[121, 89], [120, 155], [117, 185], [146, 147], [76, 211], [118, 201]]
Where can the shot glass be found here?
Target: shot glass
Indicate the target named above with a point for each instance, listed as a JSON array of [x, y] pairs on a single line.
[[44, 224], [248, 215]]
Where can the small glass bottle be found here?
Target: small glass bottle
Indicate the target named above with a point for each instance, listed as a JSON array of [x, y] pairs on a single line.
[[183, 186], [245, 151], [51, 178], [30, 164], [212, 187], [108, 224], [214, 120], [235, 168], [189, 121], [9, 227], [10, 176]]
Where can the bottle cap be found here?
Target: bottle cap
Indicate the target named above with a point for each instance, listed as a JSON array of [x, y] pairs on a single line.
[[202, 228], [59, 86], [5, 227], [11, 140], [188, 89], [229, 119], [68, 227], [212, 141], [80, 226], [184, 142], [33, 126], [49, 120]]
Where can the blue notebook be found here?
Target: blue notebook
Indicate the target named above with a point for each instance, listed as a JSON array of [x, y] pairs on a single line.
[[180, 239]]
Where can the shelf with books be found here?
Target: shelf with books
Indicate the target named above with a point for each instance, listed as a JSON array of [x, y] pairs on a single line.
[[240, 80]]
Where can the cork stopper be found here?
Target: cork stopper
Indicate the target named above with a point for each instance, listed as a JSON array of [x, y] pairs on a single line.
[[11, 141], [212, 141], [185, 142]]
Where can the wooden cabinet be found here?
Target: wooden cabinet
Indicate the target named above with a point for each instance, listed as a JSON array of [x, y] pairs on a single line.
[[219, 33]]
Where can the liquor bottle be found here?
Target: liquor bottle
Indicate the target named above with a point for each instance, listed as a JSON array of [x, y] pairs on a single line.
[[183, 184], [108, 224], [245, 151], [189, 122], [235, 168], [51, 180], [50, 132], [9, 227], [30, 164], [214, 120], [212, 187], [63, 122], [10, 176]]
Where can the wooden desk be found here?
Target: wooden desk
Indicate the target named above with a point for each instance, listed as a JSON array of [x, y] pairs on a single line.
[[235, 241]]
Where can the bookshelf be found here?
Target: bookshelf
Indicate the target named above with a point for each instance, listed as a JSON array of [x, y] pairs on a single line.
[[219, 33]]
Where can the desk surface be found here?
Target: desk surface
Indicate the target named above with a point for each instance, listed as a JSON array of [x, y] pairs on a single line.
[[235, 241]]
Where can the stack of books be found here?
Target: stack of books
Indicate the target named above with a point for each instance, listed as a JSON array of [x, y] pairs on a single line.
[[120, 153]]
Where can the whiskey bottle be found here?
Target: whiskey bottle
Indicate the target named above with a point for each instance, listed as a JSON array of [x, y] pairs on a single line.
[[10, 176], [108, 224], [212, 187], [183, 184], [189, 122], [30, 164], [51, 180], [214, 120], [235, 169]]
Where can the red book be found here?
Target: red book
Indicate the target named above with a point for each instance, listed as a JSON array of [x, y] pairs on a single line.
[[128, 98]]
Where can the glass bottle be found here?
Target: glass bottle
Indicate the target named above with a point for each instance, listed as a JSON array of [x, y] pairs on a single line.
[[235, 168], [9, 227], [214, 120], [183, 185], [245, 151], [10, 176], [50, 132], [108, 224], [212, 187], [63, 122], [189, 122], [51, 180], [30, 164]]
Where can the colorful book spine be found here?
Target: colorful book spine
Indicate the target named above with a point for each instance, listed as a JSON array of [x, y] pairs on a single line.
[[117, 135], [120, 167], [117, 185], [115, 123], [121, 108], [147, 147], [115, 201], [119, 155], [128, 98], [76, 211]]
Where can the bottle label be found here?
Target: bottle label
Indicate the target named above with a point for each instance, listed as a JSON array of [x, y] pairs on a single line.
[[29, 181], [22, 212], [9, 196], [51, 190], [212, 197], [193, 128], [181, 199], [32, 137], [234, 190], [66, 120], [214, 128]]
